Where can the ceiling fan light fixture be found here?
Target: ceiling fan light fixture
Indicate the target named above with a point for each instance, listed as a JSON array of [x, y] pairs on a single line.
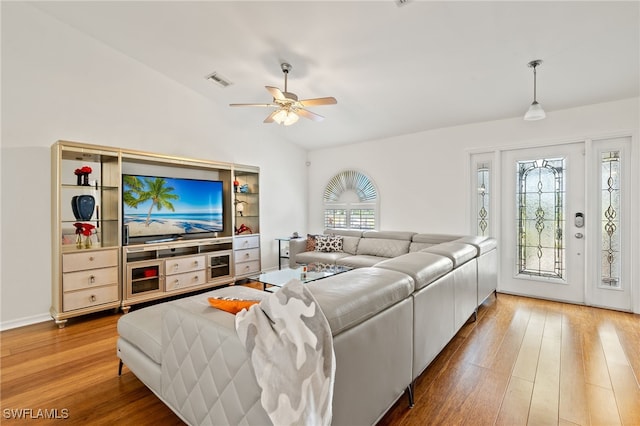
[[535, 111], [285, 117], [291, 118]]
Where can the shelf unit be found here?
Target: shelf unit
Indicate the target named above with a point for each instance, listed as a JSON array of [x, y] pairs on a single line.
[[104, 271], [84, 272], [246, 221]]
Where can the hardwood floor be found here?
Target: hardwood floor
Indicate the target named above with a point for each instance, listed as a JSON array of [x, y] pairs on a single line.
[[524, 361]]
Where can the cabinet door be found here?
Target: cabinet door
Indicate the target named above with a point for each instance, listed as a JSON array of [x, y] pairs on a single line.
[[144, 277]]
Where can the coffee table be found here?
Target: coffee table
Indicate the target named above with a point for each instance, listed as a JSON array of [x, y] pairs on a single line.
[[314, 272]]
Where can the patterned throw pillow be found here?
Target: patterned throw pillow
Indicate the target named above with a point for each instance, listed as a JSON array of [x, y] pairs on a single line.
[[311, 242], [328, 243], [231, 305]]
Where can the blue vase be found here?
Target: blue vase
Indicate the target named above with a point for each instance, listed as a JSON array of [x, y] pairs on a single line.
[[82, 206]]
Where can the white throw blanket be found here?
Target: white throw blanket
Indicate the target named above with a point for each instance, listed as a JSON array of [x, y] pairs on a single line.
[[291, 348]]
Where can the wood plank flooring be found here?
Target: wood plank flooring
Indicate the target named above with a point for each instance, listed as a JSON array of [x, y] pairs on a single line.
[[524, 361]]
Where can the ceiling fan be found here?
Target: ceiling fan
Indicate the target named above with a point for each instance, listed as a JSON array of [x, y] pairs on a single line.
[[288, 107]]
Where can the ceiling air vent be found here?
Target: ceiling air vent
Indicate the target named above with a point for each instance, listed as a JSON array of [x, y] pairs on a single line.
[[218, 79]]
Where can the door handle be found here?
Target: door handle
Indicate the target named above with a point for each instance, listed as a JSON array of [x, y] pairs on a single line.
[[579, 235]]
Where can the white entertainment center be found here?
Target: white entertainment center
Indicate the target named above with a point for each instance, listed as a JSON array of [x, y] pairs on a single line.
[[97, 265]]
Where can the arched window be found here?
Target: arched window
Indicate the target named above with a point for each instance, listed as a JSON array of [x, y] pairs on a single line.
[[351, 202]]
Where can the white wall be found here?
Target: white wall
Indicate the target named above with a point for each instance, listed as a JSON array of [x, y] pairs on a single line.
[[422, 177], [423, 180], [60, 84]]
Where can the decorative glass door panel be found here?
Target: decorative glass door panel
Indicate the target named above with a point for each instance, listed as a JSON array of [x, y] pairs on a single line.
[[540, 240]]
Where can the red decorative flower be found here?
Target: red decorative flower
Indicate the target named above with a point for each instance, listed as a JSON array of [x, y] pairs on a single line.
[[85, 170], [84, 228]]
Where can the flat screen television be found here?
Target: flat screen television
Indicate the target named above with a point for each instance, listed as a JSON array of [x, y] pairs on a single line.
[[156, 208]]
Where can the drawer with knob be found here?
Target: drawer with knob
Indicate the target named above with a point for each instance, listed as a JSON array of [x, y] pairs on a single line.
[[187, 264], [246, 242], [247, 255], [90, 278], [247, 268], [180, 281], [89, 260], [90, 297]]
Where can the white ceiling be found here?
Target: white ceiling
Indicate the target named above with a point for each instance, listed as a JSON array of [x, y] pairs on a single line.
[[393, 69]]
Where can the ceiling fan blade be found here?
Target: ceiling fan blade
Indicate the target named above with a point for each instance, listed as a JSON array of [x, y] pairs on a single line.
[[269, 118], [253, 105], [308, 114], [330, 100], [275, 92]]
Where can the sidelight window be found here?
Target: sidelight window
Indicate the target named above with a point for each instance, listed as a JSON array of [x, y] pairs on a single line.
[[610, 210]]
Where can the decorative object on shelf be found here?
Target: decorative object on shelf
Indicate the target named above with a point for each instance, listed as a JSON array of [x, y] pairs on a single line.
[[82, 175], [244, 189], [236, 184], [240, 206], [295, 235], [243, 228], [535, 111], [84, 229], [82, 206]]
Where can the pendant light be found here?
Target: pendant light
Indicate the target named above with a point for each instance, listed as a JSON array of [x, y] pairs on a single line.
[[535, 111]]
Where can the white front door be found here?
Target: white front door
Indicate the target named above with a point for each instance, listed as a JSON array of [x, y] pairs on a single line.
[[543, 220]]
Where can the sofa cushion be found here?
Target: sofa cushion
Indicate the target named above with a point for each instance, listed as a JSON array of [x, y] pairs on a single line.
[[351, 298], [423, 267], [382, 247], [359, 261], [343, 232], [419, 246], [350, 244], [483, 244], [389, 235], [459, 253], [434, 238], [307, 257]]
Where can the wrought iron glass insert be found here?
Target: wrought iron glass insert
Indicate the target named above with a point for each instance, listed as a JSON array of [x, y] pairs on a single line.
[[482, 204], [540, 194], [610, 207]]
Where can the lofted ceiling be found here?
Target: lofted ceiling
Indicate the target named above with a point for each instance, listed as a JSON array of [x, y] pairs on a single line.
[[393, 69]]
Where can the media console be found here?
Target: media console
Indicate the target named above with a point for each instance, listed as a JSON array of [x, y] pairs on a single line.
[[157, 270]]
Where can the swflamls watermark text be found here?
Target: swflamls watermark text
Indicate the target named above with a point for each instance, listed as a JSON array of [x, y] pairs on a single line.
[[35, 413]]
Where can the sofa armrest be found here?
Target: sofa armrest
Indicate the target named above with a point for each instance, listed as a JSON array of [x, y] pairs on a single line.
[[203, 360], [296, 245]]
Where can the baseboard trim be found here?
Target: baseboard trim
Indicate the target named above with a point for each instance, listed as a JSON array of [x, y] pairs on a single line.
[[21, 322]]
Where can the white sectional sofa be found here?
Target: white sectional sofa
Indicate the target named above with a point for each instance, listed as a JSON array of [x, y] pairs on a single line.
[[389, 320]]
